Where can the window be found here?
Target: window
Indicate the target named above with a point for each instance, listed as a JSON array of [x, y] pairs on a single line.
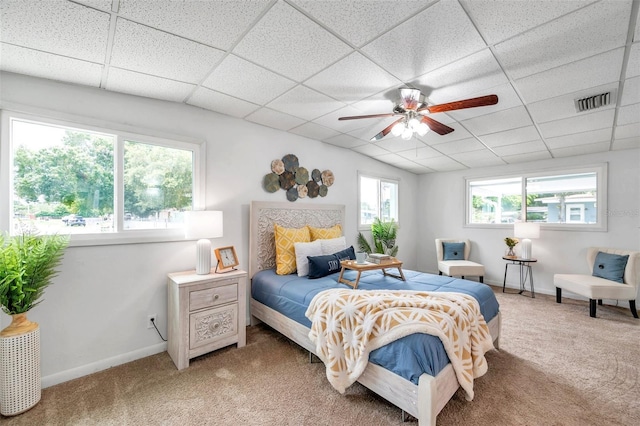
[[565, 200], [378, 199], [95, 184]]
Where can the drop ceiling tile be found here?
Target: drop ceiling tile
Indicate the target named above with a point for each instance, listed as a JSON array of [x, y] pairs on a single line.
[[524, 158], [352, 79], [498, 121], [564, 106], [331, 120], [630, 143], [463, 145], [104, 5], [143, 49], [636, 35], [441, 164], [509, 137], [584, 74], [575, 139], [628, 131], [314, 131], [414, 154], [373, 127], [433, 139], [345, 141], [478, 159], [473, 74], [257, 84], [219, 102], [370, 149], [147, 85], [393, 159], [305, 103], [418, 169], [507, 98], [218, 24], [597, 28], [520, 148], [633, 66], [581, 123], [275, 119], [45, 65], [581, 149], [432, 33], [515, 16], [54, 26], [360, 21], [288, 42], [631, 93], [628, 114], [397, 144]]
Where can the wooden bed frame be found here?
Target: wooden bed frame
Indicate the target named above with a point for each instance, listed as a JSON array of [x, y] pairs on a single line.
[[423, 401]]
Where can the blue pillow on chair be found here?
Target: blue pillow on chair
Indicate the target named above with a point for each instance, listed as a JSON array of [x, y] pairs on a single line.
[[610, 266], [453, 251]]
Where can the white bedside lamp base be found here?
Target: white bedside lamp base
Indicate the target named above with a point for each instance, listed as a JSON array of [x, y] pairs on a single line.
[[203, 257]]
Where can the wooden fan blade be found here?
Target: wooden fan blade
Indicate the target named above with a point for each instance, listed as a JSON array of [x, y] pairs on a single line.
[[466, 103], [386, 130], [436, 126], [357, 117]]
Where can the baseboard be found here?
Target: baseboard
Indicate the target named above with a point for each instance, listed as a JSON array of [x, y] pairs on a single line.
[[94, 367]]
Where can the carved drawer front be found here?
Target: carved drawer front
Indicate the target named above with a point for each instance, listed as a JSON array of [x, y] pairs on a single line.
[[212, 325], [212, 297]]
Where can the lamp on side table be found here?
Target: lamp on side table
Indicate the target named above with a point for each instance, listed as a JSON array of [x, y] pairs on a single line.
[[203, 225], [525, 231]]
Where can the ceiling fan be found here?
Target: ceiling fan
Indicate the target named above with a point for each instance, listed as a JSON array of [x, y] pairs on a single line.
[[413, 118]]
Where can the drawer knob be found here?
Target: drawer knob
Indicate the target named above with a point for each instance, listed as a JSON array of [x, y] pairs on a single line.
[[216, 296], [214, 326]]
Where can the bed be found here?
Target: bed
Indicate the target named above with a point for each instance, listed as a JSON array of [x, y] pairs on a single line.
[[422, 397]]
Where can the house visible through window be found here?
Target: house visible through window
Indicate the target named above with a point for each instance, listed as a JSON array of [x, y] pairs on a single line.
[[574, 197], [75, 180], [378, 199]]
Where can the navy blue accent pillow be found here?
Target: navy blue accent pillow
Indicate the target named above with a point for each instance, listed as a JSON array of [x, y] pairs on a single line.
[[347, 254], [453, 251], [321, 266], [610, 266]]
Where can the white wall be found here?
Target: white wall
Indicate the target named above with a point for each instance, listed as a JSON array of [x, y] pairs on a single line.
[[441, 215], [94, 315]]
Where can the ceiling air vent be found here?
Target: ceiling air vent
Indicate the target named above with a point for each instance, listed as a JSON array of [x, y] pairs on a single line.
[[593, 102]]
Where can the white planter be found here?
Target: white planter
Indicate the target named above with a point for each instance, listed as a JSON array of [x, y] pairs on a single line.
[[20, 384]]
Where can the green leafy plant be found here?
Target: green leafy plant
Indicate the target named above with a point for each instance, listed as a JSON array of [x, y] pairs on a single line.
[[384, 238], [27, 265], [511, 242]]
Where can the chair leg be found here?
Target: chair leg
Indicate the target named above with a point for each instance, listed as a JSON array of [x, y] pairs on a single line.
[[481, 279], [439, 272], [600, 302], [462, 277], [592, 308], [632, 306], [558, 295]]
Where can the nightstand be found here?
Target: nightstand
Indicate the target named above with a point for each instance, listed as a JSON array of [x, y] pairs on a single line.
[[205, 313]]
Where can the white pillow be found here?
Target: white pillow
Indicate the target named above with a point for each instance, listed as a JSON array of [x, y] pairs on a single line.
[[314, 248], [333, 245]]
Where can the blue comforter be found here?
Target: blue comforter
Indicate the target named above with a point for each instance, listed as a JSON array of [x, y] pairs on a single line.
[[408, 357]]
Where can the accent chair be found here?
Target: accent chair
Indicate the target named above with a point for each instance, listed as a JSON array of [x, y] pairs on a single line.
[[453, 259]]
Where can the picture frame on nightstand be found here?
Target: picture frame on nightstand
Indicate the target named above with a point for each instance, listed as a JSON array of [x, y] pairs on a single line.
[[227, 259]]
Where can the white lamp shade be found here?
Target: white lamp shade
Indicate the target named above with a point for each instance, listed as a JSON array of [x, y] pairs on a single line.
[[203, 225], [526, 230]]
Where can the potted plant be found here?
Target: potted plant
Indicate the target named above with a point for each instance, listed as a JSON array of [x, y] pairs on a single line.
[[27, 265], [511, 243], [384, 238]]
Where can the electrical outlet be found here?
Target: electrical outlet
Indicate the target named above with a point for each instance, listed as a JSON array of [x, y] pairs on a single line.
[[151, 319]]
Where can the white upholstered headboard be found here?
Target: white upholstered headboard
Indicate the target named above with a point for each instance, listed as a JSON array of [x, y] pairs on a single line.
[[262, 251]]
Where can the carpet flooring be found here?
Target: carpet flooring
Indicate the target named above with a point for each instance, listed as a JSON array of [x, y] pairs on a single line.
[[555, 366]]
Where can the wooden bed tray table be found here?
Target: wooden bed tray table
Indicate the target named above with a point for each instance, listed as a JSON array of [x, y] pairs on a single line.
[[369, 266]]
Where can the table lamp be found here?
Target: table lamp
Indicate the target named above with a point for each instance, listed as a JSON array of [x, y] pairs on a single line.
[[203, 225], [525, 231]]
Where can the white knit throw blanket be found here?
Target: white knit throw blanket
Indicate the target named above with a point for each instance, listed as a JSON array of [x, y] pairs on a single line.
[[348, 324]]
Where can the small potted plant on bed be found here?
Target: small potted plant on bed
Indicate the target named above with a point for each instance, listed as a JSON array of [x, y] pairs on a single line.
[[511, 243], [27, 265], [384, 238]]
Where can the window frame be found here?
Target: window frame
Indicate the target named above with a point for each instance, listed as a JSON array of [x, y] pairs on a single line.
[[601, 171], [395, 181], [120, 135]]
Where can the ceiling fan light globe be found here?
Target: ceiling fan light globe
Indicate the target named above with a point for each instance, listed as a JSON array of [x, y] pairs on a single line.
[[414, 123], [407, 134], [423, 129], [398, 129]]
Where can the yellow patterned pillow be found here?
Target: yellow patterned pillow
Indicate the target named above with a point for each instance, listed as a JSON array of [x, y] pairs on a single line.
[[285, 252], [325, 233]]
